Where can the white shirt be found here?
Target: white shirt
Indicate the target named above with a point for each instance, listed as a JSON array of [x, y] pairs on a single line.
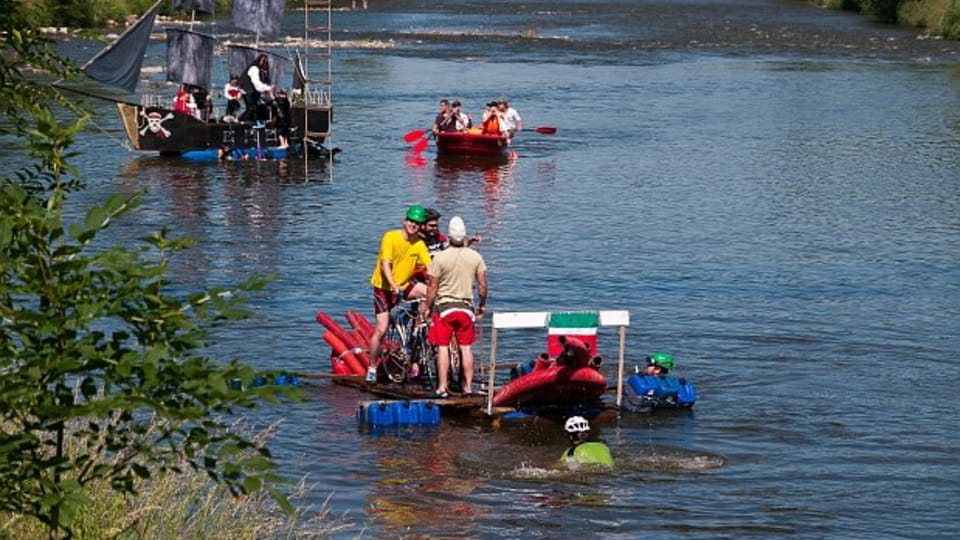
[[229, 90], [254, 73], [463, 121], [510, 120]]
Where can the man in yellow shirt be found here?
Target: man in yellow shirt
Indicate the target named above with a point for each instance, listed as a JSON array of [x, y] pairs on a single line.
[[401, 251]]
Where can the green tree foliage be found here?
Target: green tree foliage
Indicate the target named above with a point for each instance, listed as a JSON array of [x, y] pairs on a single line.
[[91, 334], [884, 11]]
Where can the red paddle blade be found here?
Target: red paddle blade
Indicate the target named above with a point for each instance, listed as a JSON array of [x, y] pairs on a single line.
[[546, 130], [413, 135], [421, 145]]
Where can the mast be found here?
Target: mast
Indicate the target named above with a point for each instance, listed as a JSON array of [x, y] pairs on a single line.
[[317, 92]]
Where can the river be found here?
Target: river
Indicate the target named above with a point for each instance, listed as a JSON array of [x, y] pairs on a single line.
[[772, 190]]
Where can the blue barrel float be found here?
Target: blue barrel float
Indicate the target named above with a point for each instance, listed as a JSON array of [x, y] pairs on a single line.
[[281, 379], [660, 391], [399, 413]]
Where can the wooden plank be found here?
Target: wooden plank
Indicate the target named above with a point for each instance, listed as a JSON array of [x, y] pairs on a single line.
[[540, 319], [615, 318], [520, 319]]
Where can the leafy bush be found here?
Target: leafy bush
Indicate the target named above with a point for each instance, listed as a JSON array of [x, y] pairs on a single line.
[[884, 11], [102, 378], [950, 25]]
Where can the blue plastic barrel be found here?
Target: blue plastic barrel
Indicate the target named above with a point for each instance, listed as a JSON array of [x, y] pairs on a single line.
[[687, 395], [379, 413], [429, 413]]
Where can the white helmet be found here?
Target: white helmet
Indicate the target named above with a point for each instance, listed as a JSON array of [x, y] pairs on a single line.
[[577, 424]]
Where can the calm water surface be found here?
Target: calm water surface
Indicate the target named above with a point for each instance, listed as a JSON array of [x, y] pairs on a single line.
[[771, 190]]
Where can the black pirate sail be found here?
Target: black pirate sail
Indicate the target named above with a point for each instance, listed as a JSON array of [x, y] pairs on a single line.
[[153, 124], [119, 64]]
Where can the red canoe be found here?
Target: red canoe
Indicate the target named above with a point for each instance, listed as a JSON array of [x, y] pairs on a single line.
[[464, 143]]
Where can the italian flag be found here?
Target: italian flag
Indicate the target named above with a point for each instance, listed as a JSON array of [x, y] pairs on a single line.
[[579, 324]]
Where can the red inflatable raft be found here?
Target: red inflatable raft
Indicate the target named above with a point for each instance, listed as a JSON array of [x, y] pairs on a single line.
[[573, 377], [472, 144]]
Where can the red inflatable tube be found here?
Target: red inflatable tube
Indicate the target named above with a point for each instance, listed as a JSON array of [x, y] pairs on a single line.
[[340, 349], [359, 322], [338, 331], [339, 366], [551, 386], [360, 346]]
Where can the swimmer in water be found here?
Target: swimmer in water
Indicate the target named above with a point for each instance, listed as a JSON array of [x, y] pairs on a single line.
[[583, 451]]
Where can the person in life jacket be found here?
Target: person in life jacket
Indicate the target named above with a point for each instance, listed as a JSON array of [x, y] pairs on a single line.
[[584, 452], [491, 119]]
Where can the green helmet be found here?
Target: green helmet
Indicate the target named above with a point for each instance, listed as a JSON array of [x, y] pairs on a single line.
[[661, 359], [417, 214]]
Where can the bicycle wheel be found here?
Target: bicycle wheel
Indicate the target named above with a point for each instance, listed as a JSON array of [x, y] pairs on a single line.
[[425, 355], [393, 356]]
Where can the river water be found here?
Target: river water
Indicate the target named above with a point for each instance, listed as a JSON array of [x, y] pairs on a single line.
[[770, 189]]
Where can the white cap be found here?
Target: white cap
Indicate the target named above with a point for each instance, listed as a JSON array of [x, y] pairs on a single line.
[[457, 231]]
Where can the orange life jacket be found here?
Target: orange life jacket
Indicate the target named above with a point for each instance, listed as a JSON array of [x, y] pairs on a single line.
[[491, 126]]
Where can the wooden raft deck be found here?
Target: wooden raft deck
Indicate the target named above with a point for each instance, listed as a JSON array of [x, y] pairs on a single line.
[[455, 403]]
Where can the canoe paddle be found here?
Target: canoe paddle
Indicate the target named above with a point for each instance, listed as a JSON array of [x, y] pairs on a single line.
[[421, 145], [414, 135]]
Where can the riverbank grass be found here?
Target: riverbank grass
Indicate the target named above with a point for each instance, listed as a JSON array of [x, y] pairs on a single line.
[[941, 17], [186, 505]]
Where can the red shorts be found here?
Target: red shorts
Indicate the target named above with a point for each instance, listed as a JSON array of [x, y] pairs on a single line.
[[383, 300], [458, 323]]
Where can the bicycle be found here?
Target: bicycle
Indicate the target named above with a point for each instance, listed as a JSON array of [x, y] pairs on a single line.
[[405, 344]]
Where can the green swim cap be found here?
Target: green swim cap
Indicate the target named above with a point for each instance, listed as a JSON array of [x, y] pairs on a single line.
[[661, 359], [417, 214]]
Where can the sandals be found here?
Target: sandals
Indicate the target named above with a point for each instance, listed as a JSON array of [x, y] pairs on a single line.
[[441, 393]]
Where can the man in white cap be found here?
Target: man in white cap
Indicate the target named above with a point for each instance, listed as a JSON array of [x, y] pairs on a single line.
[[453, 273]]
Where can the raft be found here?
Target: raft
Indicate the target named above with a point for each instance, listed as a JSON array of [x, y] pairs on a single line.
[[470, 144]]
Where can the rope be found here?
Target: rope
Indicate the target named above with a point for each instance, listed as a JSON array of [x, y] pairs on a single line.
[[121, 142], [355, 350]]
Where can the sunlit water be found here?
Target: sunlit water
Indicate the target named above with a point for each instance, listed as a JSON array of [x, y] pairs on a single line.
[[771, 190]]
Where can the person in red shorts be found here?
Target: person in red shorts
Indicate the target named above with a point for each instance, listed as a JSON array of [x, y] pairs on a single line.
[[401, 251], [453, 273]]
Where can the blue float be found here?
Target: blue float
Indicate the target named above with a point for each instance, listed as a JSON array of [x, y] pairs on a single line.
[[660, 391], [399, 413]]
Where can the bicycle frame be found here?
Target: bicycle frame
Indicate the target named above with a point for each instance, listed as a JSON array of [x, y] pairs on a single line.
[[405, 343]]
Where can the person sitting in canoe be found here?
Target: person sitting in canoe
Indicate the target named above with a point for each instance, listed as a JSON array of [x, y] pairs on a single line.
[[463, 121], [491, 119], [510, 121], [658, 363], [444, 120], [582, 451]]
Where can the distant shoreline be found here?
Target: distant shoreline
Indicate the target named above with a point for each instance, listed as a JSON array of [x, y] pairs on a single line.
[[936, 18]]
